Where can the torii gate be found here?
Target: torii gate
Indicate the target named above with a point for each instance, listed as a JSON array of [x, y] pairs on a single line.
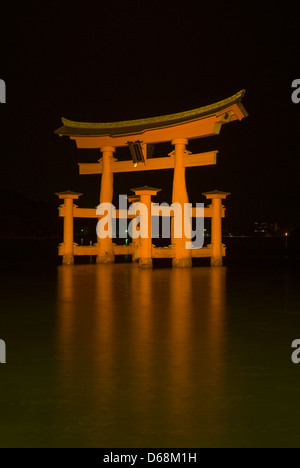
[[140, 135]]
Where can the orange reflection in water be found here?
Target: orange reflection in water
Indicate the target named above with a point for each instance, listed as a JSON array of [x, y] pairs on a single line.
[[144, 330], [85, 320], [65, 313], [196, 343], [142, 349], [217, 312], [179, 342]]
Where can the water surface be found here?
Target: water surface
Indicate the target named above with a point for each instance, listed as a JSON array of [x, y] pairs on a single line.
[[114, 356]]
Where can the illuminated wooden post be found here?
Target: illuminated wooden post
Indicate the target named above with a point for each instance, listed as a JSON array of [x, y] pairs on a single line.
[[68, 243], [183, 256], [145, 246], [135, 242], [106, 248], [216, 225]]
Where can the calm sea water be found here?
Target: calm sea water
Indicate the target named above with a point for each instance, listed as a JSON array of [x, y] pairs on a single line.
[[114, 356]]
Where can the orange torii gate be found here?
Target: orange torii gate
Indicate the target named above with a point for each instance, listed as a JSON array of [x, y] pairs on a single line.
[[139, 136]]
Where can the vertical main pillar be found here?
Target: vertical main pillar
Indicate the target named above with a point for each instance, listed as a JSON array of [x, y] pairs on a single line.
[[135, 242], [183, 256], [216, 226], [145, 246], [68, 243], [105, 246]]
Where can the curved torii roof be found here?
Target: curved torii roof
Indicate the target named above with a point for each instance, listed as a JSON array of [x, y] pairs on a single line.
[[195, 123]]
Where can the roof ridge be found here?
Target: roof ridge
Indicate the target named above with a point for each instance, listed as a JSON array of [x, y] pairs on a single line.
[[150, 120]]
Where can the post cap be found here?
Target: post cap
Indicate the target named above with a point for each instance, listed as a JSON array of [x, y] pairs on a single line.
[[146, 190], [68, 194], [216, 194]]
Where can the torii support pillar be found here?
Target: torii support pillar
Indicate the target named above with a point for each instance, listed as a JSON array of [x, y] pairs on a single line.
[[135, 242], [68, 244], [216, 225], [106, 248], [145, 246], [183, 256]]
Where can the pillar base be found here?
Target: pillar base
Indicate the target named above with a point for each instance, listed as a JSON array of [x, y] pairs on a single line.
[[183, 262], [68, 260], [134, 254], [106, 258], [216, 261], [145, 263]]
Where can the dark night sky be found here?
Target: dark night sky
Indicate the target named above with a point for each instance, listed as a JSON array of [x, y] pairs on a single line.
[[112, 61]]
